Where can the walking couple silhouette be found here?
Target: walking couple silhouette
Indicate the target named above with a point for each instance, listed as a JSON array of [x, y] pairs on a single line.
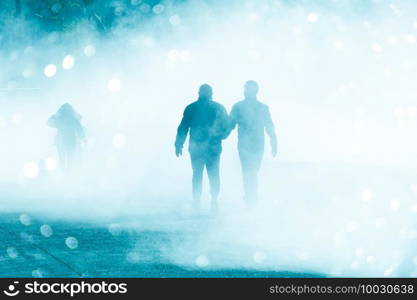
[[208, 124]]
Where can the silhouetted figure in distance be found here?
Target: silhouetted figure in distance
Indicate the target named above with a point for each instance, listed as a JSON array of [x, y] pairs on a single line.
[[70, 133], [252, 118], [207, 121]]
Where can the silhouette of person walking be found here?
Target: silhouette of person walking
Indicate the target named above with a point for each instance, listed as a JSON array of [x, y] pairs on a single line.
[[70, 133], [252, 118], [207, 121]]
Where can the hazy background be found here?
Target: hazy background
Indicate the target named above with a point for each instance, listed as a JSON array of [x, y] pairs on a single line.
[[338, 76]]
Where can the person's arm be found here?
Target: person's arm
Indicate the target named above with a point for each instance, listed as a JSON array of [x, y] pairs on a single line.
[[52, 121], [232, 119], [224, 123], [182, 132], [270, 130], [80, 131]]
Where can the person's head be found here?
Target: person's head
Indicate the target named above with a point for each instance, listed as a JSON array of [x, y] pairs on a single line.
[[205, 92], [67, 110], [251, 89]]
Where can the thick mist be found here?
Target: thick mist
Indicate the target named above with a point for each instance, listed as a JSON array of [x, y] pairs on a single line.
[[338, 76]]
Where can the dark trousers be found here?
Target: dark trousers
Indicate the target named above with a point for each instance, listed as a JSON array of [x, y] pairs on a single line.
[[250, 162], [66, 152], [211, 161]]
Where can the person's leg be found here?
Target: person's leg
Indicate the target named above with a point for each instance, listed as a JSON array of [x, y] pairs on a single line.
[[62, 157], [255, 166], [250, 163], [213, 172], [71, 154], [197, 163], [246, 174]]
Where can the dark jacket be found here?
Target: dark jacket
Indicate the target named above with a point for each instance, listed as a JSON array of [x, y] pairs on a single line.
[[208, 124], [69, 130]]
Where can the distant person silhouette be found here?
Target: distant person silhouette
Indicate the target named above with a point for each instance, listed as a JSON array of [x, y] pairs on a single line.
[[207, 122], [252, 118], [70, 133]]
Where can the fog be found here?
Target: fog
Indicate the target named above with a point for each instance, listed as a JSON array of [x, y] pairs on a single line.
[[338, 76]]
